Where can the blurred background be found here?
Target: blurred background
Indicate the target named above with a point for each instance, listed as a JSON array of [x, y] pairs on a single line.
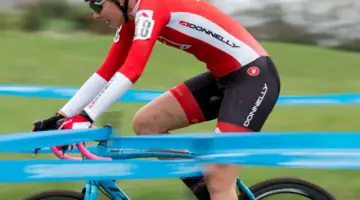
[[314, 43]]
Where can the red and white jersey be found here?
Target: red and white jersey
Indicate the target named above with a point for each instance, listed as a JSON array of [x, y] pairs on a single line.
[[194, 26]]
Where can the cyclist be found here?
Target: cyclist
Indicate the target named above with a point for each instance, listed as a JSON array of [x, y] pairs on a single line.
[[239, 87]]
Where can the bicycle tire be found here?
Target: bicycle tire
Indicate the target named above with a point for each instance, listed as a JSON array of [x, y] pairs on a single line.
[[297, 186], [56, 195]]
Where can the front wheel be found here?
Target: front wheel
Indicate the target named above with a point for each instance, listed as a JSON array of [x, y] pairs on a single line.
[[282, 188], [57, 195]]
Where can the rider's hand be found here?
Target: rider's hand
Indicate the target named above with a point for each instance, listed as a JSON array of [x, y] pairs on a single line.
[[51, 123], [80, 121]]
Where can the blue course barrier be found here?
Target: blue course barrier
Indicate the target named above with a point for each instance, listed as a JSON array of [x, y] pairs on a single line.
[[62, 170], [144, 96], [300, 150], [27, 142], [296, 150]]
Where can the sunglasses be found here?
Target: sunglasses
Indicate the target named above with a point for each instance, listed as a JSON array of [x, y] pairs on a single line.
[[96, 5]]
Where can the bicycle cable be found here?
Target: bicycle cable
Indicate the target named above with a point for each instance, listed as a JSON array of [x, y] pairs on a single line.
[[104, 192]]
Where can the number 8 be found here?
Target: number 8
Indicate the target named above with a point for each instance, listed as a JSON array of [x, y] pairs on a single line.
[[145, 28]]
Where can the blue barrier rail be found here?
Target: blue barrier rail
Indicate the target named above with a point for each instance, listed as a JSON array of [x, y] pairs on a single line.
[[144, 96], [203, 143], [27, 142], [304, 150], [62, 170], [296, 150]]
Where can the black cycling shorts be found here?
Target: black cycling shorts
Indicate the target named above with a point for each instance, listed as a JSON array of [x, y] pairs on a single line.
[[244, 98]]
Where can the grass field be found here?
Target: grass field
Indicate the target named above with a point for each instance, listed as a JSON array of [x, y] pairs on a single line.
[[68, 61]]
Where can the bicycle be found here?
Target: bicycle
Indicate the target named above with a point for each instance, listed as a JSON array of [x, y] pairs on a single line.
[[258, 191]]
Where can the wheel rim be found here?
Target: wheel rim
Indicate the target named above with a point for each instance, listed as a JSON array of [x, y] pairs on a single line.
[[59, 198], [293, 191], [289, 189]]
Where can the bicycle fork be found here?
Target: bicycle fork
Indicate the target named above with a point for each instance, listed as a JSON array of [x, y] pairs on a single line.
[[242, 188]]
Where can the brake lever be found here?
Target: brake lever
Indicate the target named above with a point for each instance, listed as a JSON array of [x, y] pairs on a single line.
[[36, 152], [36, 124], [64, 148]]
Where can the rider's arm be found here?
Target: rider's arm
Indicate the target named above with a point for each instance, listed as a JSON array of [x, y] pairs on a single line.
[[115, 58], [148, 26]]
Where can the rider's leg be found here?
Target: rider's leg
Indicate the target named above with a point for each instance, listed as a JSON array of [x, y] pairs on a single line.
[[221, 178], [194, 101], [162, 115], [249, 97]]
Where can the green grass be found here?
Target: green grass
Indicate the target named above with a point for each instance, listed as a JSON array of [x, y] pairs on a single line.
[[58, 25], [68, 61]]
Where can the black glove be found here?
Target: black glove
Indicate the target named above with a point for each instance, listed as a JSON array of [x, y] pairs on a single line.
[[51, 123]]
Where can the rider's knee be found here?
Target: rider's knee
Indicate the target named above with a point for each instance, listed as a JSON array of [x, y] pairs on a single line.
[[146, 123], [140, 123]]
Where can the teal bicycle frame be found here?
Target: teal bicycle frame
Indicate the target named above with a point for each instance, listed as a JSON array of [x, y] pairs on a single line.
[[92, 188]]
